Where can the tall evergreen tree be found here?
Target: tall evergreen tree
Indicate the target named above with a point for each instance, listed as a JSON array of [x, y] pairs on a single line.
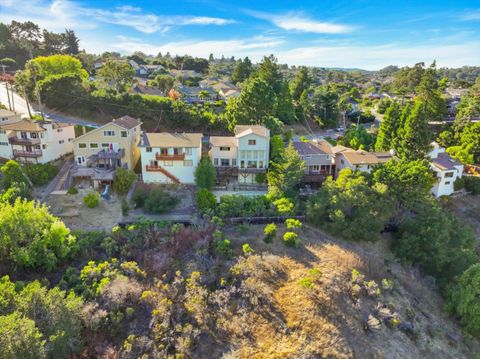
[[269, 72], [388, 128], [416, 137], [284, 107], [300, 83], [70, 41], [242, 70]]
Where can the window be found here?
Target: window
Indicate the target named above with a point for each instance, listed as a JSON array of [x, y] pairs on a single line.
[[168, 163], [188, 151], [2, 132], [23, 135], [234, 161], [164, 151], [188, 163], [315, 168], [252, 164], [148, 149], [342, 162], [33, 135], [70, 139], [41, 135], [447, 182], [252, 142], [224, 148], [177, 151], [80, 160], [105, 145], [215, 161], [224, 162], [242, 164], [82, 145], [3, 143], [59, 129], [108, 133], [61, 142], [44, 147], [260, 164], [123, 134], [449, 174], [37, 147], [94, 145], [307, 156]]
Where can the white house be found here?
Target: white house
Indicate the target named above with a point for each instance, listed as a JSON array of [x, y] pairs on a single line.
[[35, 141], [7, 117], [447, 170], [244, 155], [170, 157]]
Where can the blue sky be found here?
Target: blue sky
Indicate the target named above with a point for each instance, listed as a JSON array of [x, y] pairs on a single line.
[[356, 33]]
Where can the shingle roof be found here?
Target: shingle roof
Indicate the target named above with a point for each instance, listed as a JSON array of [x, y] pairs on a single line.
[[217, 141], [312, 148], [445, 162], [166, 139], [340, 148], [243, 130], [24, 125], [127, 122], [360, 157]]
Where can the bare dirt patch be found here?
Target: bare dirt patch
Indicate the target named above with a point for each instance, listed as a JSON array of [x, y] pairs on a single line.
[[76, 215]]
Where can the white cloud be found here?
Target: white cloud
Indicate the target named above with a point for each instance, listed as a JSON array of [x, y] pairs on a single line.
[[297, 22], [58, 14], [472, 15]]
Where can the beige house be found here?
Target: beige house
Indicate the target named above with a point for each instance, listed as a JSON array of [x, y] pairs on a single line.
[[7, 117], [99, 152], [358, 160]]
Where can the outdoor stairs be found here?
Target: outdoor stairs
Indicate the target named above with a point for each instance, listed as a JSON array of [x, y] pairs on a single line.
[[63, 177], [168, 174]]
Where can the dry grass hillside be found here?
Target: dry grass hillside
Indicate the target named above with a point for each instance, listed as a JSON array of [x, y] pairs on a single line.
[[313, 307]]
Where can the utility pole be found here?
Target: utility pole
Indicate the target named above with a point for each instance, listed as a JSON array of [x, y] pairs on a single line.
[[8, 96], [13, 97]]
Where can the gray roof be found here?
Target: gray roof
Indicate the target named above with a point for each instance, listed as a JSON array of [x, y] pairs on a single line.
[[127, 122], [309, 148], [445, 162]]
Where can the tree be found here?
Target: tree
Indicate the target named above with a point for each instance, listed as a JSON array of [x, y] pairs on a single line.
[[285, 175], [407, 79], [324, 106], [124, 179], [416, 136], [20, 338], [164, 82], [39, 241], [284, 107], [242, 70], [70, 43], [205, 174], [277, 147], [52, 42], [205, 200], [119, 75], [437, 242], [428, 92], [12, 174], [463, 299], [349, 206], [468, 149], [300, 83], [54, 88], [409, 184], [358, 138], [256, 102], [388, 128], [269, 72], [468, 108]]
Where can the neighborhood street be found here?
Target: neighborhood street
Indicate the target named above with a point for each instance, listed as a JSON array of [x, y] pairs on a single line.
[[20, 107]]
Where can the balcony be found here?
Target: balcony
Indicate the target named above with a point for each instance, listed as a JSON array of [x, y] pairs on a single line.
[[108, 155], [23, 141], [252, 170], [154, 168], [167, 157], [31, 154]]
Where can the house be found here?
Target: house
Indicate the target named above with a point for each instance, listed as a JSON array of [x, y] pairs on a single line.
[[99, 152], [147, 90], [170, 157], [186, 74], [447, 170], [319, 160], [227, 93], [7, 117], [242, 156], [358, 160], [31, 141], [139, 69]]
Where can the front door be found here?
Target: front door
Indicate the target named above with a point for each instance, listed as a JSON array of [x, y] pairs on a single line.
[[80, 160]]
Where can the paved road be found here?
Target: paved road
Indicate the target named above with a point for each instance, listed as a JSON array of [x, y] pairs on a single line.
[[21, 107]]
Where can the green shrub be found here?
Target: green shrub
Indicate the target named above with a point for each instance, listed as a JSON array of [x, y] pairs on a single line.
[[472, 184], [160, 201], [290, 239], [463, 299], [244, 206], [292, 223], [110, 246], [246, 249], [242, 228], [124, 179], [270, 232], [40, 173], [205, 200], [205, 174], [261, 178], [140, 195], [459, 184], [92, 199], [223, 248], [284, 206], [72, 190], [217, 221]]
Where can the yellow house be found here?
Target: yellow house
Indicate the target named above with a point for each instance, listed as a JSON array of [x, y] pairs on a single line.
[[99, 152]]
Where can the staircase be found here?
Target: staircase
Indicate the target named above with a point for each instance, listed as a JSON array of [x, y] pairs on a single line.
[[164, 172]]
